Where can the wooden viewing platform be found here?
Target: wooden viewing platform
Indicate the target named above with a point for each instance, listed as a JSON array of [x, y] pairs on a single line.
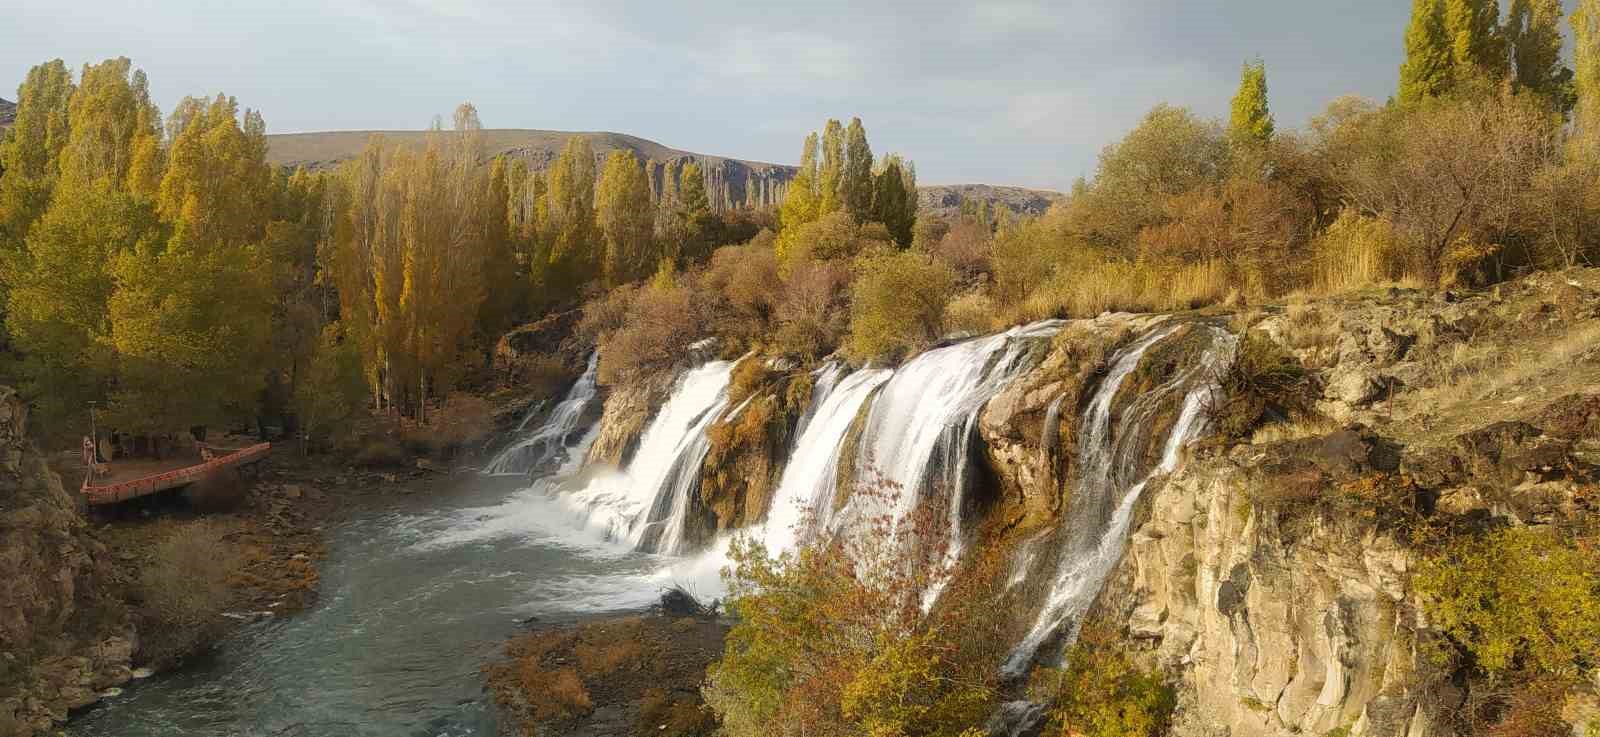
[[135, 479]]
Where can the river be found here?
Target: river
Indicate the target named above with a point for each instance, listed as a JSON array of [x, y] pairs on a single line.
[[414, 597]]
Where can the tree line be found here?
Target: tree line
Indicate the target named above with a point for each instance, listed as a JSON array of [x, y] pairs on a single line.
[[164, 270]]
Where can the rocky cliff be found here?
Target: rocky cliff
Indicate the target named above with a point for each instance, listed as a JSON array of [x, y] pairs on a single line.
[[64, 638]]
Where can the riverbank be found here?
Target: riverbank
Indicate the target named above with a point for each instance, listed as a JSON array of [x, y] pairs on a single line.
[[94, 599], [628, 674]]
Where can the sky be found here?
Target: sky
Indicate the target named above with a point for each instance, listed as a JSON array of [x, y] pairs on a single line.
[[1017, 92]]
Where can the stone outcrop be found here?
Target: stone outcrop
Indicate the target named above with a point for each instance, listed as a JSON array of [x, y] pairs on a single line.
[[1277, 620], [747, 451], [63, 640]]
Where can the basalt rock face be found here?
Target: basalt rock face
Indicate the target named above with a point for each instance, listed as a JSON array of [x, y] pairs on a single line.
[[748, 446], [1277, 621], [63, 640]]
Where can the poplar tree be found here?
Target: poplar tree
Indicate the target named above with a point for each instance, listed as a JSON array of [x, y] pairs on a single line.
[[625, 215], [800, 201], [1477, 51], [569, 214], [858, 180], [1426, 71], [830, 172], [30, 153], [504, 284], [1586, 79], [893, 206], [1250, 126], [694, 211], [1533, 32], [191, 316]]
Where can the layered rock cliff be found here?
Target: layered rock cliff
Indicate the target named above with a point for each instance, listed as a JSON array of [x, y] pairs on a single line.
[[64, 637]]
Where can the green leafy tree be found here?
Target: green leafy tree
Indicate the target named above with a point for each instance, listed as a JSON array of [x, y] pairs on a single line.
[[830, 172], [893, 206], [1427, 70], [30, 153], [626, 219], [1477, 49], [1250, 126], [1533, 32], [694, 212], [1586, 79], [503, 280], [191, 316], [570, 215], [800, 201], [857, 178]]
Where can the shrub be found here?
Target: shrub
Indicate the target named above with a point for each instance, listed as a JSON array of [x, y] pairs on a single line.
[[1264, 381], [659, 321], [460, 422], [972, 312], [182, 589], [743, 283], [832, 236], [833, 639], [1356, 251], [1517, 599], [1103, 694], [966, 248], [897, 304], [813, 312]]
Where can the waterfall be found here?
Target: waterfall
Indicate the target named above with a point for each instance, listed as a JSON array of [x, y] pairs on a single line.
[[805, 492], [647, 503], [1110, 480], [554, 438], [920, 426]]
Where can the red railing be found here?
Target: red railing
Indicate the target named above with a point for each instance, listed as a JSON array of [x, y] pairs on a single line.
[[112, 493]]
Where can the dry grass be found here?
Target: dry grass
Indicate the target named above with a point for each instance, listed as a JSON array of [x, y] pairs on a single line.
[[1119, 286], [972, 312], [602, 658], [1298, 429], [182, 587]]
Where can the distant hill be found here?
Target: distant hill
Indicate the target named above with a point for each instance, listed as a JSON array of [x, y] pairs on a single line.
[[731, 181], [8, 113], [946, 199]]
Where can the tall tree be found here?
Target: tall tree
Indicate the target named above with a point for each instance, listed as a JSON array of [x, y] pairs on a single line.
[[504, 283], [30, 153], [1586, 78], [694, 212], [569, 214], [1250, 126], [625, 215], [191, 317], [858, 180], [893, 205], [1477, 50], [1533, 32], [111, 115], [1428, 65], [830, 172], [800, 201]]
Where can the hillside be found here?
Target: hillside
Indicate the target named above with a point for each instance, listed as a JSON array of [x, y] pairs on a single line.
[[946, 199], [8, 113], [732, 181]]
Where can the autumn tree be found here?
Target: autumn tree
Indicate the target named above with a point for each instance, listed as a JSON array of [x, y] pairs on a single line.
[[30, 153], [626, 219], [1533, 33], [1477, 48], [190, 318], [1250, 125], [857, 179], [1170, 152], [1428, 64], [503, 281], [569, 215], [893, 205], [1586, 79], [830, 171]]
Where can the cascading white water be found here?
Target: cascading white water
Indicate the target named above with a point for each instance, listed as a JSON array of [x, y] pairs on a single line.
[[1110, 482], [646, 503], [919, 428], [805, 491], [548, 442]]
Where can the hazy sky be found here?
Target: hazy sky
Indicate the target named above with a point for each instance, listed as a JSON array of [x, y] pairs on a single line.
[[1001, 92]]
